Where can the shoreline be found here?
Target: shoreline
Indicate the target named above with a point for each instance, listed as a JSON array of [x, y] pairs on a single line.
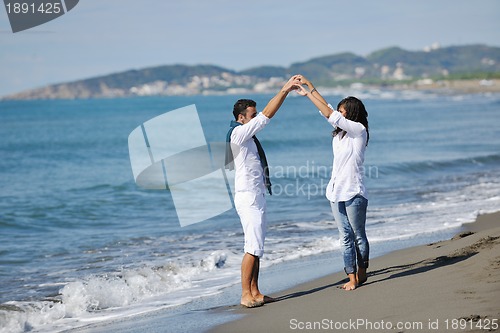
[[439, 87], [458, 86], [450, 285], [309, 290]]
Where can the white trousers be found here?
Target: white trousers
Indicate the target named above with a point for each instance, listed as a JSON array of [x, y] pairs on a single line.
[[251, 207]]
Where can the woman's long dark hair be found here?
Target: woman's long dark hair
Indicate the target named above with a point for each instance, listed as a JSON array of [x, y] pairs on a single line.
[[356, 111]]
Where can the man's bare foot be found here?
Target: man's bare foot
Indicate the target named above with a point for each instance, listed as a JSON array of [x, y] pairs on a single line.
[[361, 276], [352, 284], [252, 304], [264, 299]]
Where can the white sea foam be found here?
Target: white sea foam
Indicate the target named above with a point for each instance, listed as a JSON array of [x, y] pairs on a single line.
[[99, 297]]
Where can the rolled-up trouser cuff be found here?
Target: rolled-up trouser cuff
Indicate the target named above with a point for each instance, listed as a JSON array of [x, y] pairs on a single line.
[[353, 270], [350, 270]]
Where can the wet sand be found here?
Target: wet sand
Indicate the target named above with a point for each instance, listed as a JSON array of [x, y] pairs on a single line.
[[453, 286]]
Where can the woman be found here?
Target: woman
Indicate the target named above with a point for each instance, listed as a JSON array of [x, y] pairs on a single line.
[[346, 190]]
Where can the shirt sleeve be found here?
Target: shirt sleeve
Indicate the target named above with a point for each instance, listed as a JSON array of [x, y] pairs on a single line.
[[353, 128], [330, 106], [244, 132]]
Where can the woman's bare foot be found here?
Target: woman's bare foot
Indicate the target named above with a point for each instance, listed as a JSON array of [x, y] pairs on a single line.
[[352, 284], [361, 276]]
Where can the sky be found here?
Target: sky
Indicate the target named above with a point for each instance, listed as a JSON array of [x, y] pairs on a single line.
[[99, 37]]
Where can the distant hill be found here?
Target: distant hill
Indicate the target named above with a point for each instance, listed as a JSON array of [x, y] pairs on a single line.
[[386, 66]]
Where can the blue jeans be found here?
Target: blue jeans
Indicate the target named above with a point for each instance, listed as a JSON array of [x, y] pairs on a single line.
[[351, 219]]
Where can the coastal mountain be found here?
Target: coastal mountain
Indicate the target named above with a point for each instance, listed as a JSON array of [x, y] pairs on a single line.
[[384, 67]]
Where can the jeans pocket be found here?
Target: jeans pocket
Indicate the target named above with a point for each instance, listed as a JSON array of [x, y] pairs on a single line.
[[357, 201]]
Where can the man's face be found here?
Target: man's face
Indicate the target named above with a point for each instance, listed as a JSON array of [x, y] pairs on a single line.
[[251, 112]]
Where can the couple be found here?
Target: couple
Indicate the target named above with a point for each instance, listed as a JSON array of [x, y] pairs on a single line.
[[345, 191]]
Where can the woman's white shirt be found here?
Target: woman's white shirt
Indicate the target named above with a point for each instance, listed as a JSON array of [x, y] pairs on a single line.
[[347, 178]]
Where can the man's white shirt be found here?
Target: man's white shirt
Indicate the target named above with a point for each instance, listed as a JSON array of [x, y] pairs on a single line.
[[249, 175]]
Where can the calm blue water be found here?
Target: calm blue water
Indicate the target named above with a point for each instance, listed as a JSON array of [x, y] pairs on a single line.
[[80, 241]]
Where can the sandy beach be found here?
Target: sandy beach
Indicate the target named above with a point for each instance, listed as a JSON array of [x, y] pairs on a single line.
[[448, 286]]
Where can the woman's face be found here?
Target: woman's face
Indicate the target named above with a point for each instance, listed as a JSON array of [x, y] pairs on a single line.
[[343, 111]]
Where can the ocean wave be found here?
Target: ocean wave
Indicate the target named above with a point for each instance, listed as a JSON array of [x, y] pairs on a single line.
[[90, 298], [431, 166]]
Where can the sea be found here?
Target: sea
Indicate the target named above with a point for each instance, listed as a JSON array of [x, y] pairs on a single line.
[[83, 246]]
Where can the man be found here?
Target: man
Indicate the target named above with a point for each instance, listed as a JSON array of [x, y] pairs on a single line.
[[251, 180]]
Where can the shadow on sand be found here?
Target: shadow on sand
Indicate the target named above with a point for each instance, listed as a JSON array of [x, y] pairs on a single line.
[[393, 272]]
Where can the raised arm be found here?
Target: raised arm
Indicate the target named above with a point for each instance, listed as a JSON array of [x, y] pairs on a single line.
[[313, 91], [317, 100], [274, 104], [354, 128], [334, 117]]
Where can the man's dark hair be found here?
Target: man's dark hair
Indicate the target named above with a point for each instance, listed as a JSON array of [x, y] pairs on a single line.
[[240, 107]]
